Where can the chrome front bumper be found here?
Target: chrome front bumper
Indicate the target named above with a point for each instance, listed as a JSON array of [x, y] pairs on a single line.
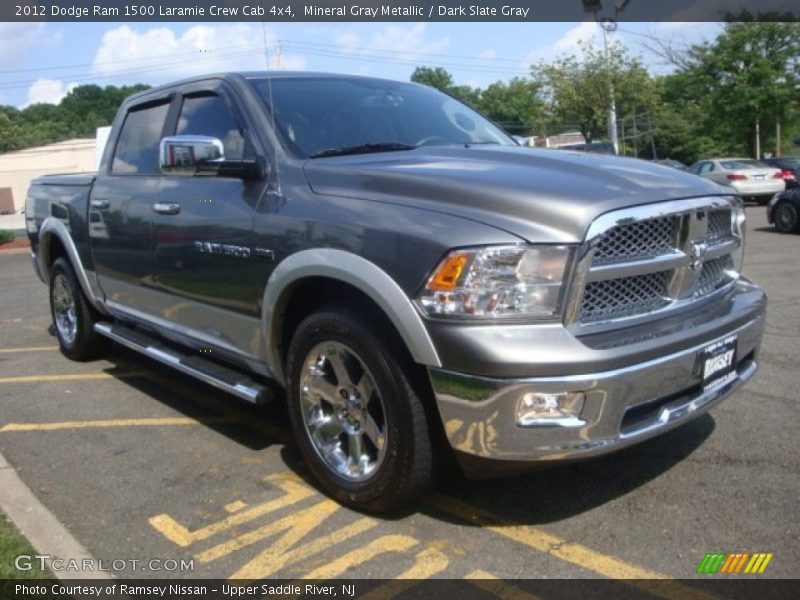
[[622, 406]]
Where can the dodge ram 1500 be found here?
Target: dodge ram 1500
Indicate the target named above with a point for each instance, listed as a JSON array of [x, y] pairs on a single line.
[[405, 276]]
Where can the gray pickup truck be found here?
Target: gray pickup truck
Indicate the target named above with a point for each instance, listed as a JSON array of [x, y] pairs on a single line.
[[413, 280]]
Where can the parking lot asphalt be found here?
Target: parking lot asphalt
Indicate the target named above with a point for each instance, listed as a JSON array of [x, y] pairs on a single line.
[[141, 463]]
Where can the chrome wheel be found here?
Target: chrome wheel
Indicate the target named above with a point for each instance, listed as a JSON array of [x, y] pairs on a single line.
[[64, 312], [343, 411]]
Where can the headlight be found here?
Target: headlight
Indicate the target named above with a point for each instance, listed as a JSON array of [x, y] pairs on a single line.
[[497, 282]]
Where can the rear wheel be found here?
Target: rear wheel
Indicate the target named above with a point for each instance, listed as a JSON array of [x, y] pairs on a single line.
[[785, 217], [73, 317], [359, 423]]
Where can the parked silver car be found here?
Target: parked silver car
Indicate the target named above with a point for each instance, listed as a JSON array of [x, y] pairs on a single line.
[[752, 179]]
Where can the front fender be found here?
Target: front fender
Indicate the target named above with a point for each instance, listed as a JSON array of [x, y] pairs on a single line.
[[356, 271]]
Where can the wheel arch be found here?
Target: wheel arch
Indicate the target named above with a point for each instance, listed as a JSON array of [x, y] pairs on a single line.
[[346, 273], [791, 197], [55, 241]]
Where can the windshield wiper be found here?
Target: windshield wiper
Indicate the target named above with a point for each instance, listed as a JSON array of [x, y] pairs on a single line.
[[363, 149]]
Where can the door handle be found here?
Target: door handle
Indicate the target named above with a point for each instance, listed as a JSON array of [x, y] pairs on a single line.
[[100, 204], [167, 208]]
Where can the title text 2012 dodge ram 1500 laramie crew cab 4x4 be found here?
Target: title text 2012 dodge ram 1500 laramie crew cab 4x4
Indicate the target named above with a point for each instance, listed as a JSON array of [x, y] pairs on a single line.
[[404, 271]]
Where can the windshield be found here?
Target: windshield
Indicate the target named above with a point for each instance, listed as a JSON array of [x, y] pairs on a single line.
[[317, 116], [741, 164]]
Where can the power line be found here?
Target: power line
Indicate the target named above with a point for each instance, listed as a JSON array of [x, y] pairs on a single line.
[[113, 62], [398, 60], [8, 85], [345, 50]]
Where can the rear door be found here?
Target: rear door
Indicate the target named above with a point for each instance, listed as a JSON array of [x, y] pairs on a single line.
[[207, 268], [120, 207]]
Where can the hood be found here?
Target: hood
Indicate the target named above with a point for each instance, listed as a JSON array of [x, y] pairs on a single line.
[[539, 195]]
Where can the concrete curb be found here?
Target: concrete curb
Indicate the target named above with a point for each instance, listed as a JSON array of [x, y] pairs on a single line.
[[42, 529]]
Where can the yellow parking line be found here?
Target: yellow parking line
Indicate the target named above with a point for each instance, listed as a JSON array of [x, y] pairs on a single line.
[[387, 543], [28, 349], [427, 563], [577, 554], [154, 422], [65, 377], [492, 584], [294, 492]]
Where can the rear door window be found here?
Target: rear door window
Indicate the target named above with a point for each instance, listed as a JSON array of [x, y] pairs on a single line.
[[137, 147]]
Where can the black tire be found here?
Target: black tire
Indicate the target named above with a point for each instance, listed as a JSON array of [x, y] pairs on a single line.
[[74, 328], [785, 217], [406, 466]]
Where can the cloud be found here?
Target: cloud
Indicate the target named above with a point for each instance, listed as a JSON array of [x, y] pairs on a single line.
[[488, 54], [704, 10], [401, 42], [48, 91], [160, 54], [569, 43], [16, 38]]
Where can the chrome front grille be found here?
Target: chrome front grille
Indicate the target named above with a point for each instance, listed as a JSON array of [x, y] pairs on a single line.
[[719, 226], [637, 240], [616, 298], [647, 260], [712, 274]]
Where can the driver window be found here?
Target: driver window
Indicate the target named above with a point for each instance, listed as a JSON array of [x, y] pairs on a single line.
[[209, 115]]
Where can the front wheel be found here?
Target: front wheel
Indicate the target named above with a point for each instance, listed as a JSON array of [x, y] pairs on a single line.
[[360, 425], [73, 318]]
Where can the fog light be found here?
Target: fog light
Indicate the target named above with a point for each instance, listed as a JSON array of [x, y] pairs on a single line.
[[560, 409]]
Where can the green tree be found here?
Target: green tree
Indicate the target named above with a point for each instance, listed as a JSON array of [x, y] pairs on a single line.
[[517, 106], [79, 114], [750, 78], [579, 88], [436, 77]]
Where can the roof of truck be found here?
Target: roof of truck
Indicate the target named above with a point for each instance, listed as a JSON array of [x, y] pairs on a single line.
[[256, 75]]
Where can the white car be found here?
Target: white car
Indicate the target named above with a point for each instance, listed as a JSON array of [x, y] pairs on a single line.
[[752, 180]]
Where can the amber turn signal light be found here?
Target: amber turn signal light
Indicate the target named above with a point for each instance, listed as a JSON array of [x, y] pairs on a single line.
[[447, 274]]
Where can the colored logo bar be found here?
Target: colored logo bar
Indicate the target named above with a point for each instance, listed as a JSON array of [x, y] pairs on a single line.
[[734, 562]]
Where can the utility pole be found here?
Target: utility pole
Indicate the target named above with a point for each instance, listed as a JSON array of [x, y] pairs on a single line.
[[266, 47], [758, 139], [652, 136], [608, 26]]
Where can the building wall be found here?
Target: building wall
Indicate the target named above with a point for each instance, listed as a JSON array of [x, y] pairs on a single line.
[[17, 169]]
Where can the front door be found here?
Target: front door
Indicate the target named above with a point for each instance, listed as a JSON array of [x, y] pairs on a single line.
[[206, 263]]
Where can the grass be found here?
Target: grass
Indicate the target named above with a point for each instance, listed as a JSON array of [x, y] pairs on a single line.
[[6, 235], [12, 545]]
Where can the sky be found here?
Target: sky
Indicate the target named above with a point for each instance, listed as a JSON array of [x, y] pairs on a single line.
[[41, 62]]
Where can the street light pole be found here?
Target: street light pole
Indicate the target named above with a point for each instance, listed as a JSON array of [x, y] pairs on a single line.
[[608, 26]]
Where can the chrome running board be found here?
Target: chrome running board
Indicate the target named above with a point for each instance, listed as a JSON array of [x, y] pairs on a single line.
[[221, 377]]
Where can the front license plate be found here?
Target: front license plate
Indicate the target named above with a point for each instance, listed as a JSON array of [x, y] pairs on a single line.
[[719, 361]]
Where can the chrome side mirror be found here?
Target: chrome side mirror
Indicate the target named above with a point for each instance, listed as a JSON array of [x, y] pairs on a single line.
[[191, 155]]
